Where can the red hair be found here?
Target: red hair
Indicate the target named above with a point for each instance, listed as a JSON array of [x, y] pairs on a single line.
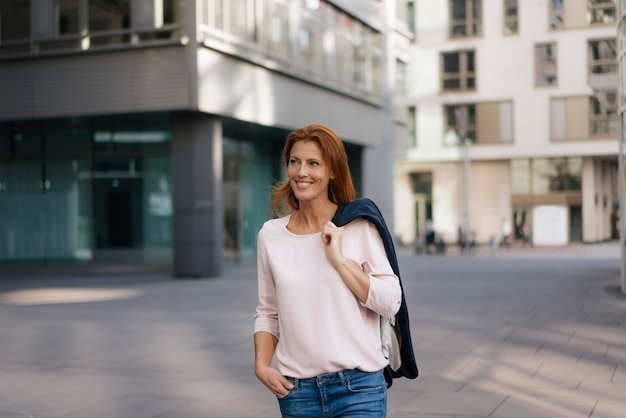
[[340, 189]]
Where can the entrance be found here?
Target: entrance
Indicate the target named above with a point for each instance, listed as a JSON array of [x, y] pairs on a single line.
[[575, 223], [132, 210]]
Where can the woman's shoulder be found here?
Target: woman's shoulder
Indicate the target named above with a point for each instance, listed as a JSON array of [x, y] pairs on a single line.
[[275, 224], [360, 224]]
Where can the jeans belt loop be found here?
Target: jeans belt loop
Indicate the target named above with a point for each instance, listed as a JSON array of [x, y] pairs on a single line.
[[342, 378]]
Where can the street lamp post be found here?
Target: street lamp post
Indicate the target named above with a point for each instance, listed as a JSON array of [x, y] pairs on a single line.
[[462, 134]]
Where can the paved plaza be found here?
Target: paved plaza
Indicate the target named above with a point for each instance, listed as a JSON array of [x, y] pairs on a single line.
[[518, 333]]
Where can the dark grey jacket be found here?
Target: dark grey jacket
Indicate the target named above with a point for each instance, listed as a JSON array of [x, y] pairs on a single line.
[[367, 209]]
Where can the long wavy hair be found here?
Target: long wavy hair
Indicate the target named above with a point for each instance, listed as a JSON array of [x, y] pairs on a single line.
[[340, 189]]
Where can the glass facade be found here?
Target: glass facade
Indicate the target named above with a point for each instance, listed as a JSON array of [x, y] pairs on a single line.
[[82, 190], [309, 39], [59, 26]]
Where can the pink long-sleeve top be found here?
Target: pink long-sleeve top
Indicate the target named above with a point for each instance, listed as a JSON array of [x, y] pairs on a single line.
[[320, 324]]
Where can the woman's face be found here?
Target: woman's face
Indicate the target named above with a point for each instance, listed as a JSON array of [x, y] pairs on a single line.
[[308, 172]]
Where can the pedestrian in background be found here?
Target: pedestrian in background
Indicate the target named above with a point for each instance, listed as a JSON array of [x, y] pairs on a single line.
[[506, 233], [525, 234], [322, 289]]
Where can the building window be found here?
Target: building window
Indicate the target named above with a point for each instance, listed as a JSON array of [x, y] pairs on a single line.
[[458, 71], [520, 177], [511, 17], [399, 99], [574, 15], [582, 118], [465, 18], [556, 14], [602, 57], [411, 127], [551, 175], [410, 15], [467, 122], [105, 17], [328, 45], [603, 113], [545, 64], [14, 27], [542, 176], [275, 33], [483, 123], [601, 11]]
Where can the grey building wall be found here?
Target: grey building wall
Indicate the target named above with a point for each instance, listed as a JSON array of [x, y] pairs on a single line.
[[120, 81]]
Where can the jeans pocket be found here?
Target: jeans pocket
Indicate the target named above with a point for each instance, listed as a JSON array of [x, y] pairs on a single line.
[[367, 383], [280, 398]]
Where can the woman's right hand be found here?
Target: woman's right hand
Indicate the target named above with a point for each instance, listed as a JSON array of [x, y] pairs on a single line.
[[275, 382]]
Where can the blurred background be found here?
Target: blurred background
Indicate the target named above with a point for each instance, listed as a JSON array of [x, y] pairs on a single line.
[[147, 133]]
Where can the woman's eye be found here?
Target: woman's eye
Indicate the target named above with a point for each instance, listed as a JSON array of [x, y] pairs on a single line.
[[314, 163], [293, 162]]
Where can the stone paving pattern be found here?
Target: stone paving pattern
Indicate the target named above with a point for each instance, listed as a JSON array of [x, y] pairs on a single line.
[[535, 332]]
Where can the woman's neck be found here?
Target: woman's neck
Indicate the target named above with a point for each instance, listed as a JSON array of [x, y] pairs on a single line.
[[311, 218]]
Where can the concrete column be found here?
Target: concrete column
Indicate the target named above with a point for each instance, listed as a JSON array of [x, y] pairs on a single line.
[[197, 183], [589, 204]]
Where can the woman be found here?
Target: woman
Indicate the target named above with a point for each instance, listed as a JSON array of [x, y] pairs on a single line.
[[322, 290]]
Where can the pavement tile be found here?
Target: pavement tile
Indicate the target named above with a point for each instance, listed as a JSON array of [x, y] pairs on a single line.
[[56, 402], [578, 371], [616, 353], [544, 408], [609, 409], [222, 409], [479, 404], [489, 348], [131, 406], [620, 374], [479, 368], [613, 391]]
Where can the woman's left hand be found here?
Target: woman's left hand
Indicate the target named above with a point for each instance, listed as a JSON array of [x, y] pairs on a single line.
[[332, 236]]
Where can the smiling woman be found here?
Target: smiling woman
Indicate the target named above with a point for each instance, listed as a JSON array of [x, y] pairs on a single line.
[[323, 289], [64, 295]]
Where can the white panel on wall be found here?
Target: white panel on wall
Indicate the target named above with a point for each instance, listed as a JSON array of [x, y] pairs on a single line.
[[550, 225], [557, 113], [506, 122]]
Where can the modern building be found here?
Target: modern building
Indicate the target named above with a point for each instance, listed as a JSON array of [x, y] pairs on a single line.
[[513, 106], [137, 132]]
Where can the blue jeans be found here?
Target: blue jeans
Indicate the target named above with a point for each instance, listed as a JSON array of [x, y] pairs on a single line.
[[348, 393]]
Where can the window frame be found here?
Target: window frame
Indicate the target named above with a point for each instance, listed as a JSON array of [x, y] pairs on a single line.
[[603, 7], [470, 128], [469, 22], [593, 63], [463, 75], [555, 15], [608, 119], [510, 19], [554, 55]]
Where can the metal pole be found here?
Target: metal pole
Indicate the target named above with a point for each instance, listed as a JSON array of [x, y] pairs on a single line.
[[466, 193], [460, 130], [620, 157], [622, 210]]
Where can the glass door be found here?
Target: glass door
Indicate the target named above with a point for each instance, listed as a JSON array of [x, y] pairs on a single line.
[[22, 221]]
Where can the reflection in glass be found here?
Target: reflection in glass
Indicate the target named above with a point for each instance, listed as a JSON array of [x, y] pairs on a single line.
[[556, 175]]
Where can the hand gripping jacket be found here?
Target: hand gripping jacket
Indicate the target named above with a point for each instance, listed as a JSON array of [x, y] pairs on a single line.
[[367, 209]]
